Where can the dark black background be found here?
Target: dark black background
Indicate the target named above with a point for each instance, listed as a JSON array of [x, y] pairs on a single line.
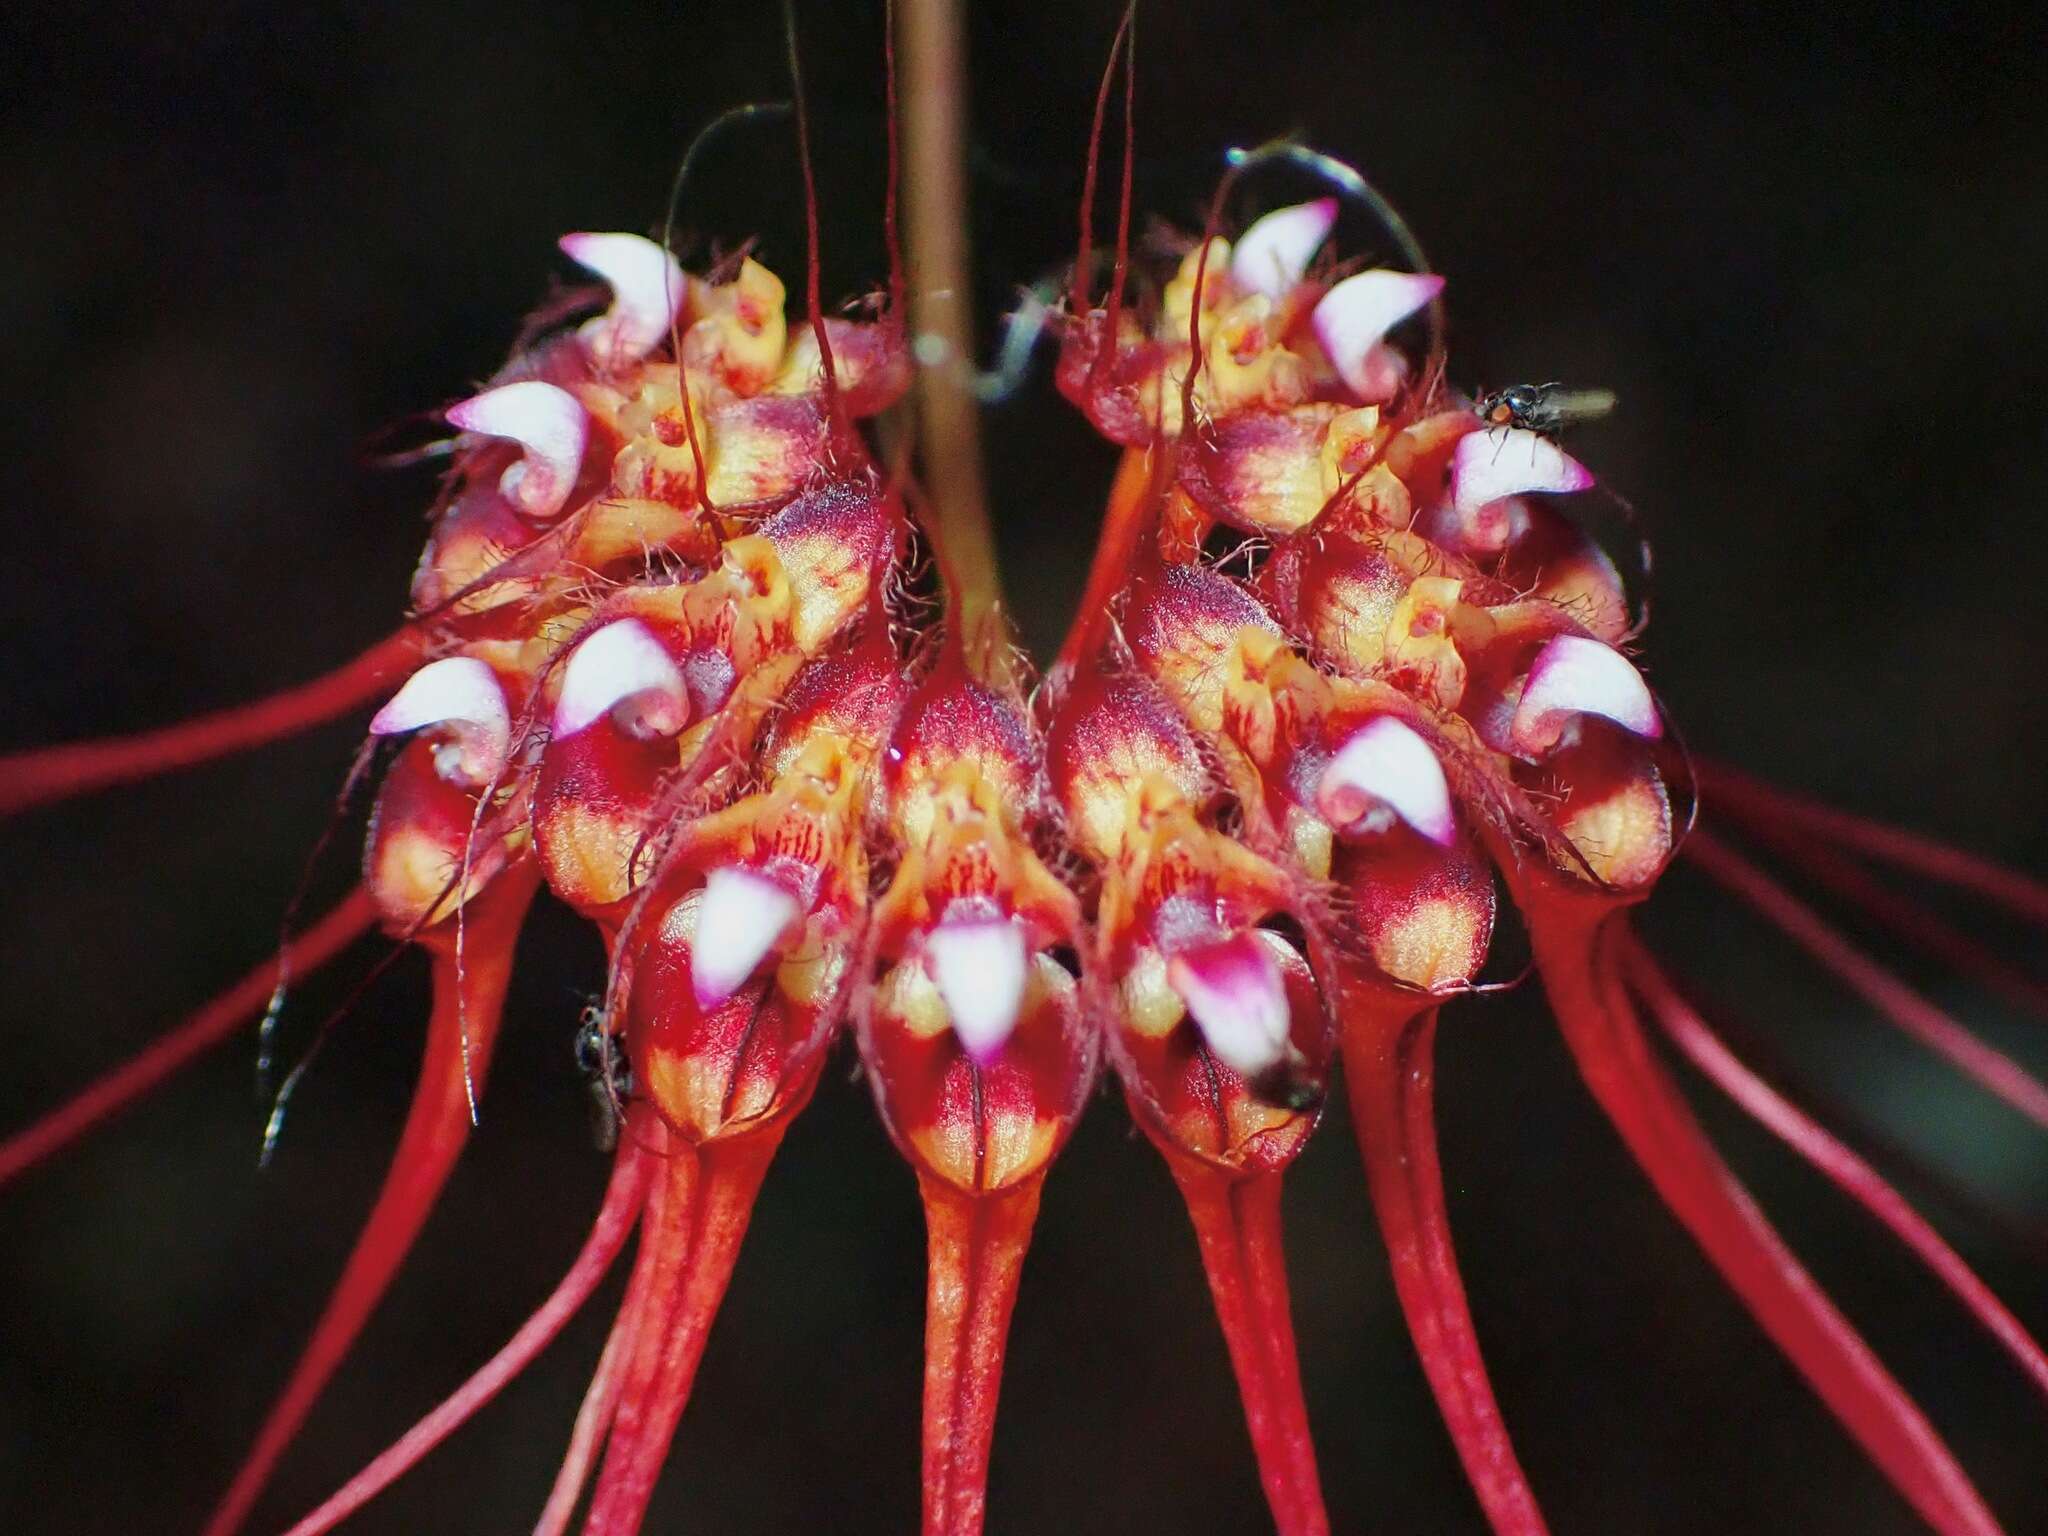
[[236, 240]]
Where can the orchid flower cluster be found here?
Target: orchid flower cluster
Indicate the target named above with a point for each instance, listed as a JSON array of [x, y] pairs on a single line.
[[1350, 689]]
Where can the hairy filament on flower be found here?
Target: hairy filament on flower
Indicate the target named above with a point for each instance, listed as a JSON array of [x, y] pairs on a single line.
[[288, 922], [201, 1031], [1080, 301], [436, 1129], [835, 407]]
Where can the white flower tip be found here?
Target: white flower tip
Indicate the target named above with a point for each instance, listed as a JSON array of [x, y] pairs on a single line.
[[648, 289], [463, 693], [1276, 250], [1386, 766], [621, 670], [743, 916], [550, 426], [1486, 466], [979, 965], [1353, 316], [1573, 675], [1237, 998]]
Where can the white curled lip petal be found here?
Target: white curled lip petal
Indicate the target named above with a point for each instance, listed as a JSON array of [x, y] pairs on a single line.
[[1354, 315], [1275, 252], [742, 917], [648, 289], [1511, 461], [1237, 998], [617, 665], [550, 426], [1573, 675], [1387, 763], [979, 965], [458, 691]]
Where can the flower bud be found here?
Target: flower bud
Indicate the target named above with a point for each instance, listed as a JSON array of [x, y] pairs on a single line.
[[1215, 1026]]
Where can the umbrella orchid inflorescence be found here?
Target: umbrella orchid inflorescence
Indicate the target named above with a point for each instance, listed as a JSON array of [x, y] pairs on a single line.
[[1350, 690]]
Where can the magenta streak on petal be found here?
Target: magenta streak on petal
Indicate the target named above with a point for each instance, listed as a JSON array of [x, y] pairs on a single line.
[[1239, 1002]]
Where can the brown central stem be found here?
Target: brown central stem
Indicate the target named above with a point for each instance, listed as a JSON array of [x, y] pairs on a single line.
[[932, 53]]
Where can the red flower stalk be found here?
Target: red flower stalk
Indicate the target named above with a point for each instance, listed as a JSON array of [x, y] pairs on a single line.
[[1347, 668]]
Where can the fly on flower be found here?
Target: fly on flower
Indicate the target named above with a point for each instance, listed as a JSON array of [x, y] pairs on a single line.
[[1546, 408], [707, 643]]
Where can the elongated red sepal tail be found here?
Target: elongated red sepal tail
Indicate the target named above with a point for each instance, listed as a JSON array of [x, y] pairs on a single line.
[[709, 1203], [1698, 1043], [1388, 1063], [1237, 1224], [469, 998], [1581, 974], [50, 774], [1898, 1004], [1751, 800], [616, 1218], [975, 1254]]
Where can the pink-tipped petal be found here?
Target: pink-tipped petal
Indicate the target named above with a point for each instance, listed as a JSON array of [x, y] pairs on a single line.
[[1276, 250], [1511, 462], [621, 670], [1386, 765], [550, 426], [1576, 676], [743, 917], [1355, 314], [1239, 1002], [461, 692], [648, 289], [979, 965]]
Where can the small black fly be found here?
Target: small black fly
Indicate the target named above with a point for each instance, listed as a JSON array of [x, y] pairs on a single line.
[[1545, 408]]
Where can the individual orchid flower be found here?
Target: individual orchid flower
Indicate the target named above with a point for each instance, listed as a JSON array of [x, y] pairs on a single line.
[[975, 1040]]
